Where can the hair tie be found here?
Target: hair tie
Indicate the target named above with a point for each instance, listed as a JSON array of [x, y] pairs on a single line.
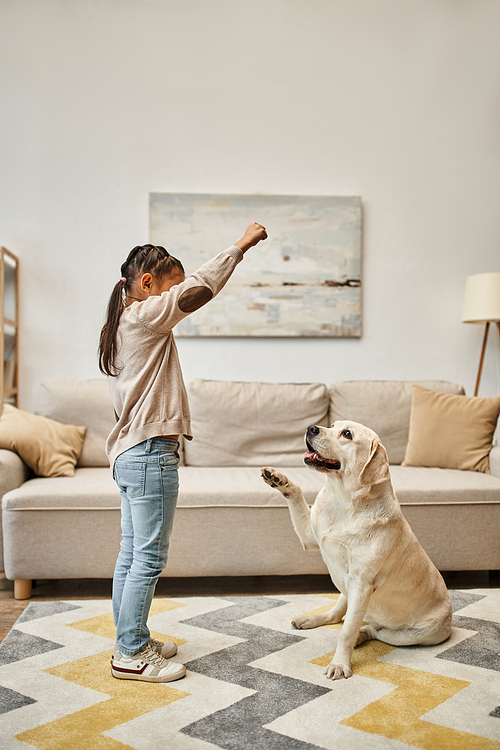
[[123, 279]]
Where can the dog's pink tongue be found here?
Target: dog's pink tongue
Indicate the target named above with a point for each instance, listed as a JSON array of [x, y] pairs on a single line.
[[309, 454]]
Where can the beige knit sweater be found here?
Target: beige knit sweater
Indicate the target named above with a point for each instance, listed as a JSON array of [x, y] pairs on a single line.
[[149, 395]]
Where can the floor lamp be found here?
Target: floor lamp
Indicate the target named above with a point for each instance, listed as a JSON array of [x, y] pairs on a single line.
[[482, 305]]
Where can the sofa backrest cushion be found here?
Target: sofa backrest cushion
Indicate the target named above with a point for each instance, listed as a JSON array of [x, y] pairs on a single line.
[[252, 424], [384, 406], [81, 402]]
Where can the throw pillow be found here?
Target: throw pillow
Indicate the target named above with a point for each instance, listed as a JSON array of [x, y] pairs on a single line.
[[48, 447], [451, 432]]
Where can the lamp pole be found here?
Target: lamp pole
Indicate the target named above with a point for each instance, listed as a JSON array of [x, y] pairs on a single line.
[[485, 339]]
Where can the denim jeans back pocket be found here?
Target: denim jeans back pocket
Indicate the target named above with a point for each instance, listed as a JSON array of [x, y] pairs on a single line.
[[130, 477]]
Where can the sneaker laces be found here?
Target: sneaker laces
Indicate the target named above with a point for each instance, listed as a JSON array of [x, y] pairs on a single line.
[[152, 657], [154, 642]]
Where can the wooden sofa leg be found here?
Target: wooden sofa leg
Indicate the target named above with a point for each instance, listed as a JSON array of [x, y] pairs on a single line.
[[22, 588]]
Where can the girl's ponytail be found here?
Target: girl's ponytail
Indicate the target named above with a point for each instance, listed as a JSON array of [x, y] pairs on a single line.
[[107, 341], [153, 259]]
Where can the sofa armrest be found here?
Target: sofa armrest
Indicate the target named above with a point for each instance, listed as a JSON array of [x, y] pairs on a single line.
[[495, 461], [13, 471]]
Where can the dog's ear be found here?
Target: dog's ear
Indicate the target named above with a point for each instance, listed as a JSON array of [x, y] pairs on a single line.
[[376, 469]]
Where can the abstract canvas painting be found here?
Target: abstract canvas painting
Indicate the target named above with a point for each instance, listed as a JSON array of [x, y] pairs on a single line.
[[304, 280]]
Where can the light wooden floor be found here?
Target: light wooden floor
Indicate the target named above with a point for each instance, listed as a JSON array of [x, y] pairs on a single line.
[[90, 588]]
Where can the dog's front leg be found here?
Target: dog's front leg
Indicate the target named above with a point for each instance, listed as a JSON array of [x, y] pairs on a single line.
[[357, 603], [299, 509]]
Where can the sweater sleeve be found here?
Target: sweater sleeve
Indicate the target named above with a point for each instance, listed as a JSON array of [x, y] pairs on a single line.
[[161, 313]]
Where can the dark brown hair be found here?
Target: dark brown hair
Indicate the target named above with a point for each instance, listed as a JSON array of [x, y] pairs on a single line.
[[153, 259]]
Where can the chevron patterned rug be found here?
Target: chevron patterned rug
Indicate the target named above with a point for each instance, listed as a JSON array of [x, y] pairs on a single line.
[[253, 682]]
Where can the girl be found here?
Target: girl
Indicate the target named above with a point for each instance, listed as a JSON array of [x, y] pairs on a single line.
[[138, 353]]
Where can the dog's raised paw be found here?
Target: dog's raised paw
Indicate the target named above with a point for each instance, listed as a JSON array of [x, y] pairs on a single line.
[[273, 478]]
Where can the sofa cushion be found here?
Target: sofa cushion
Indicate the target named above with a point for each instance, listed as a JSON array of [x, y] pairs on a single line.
[[47, 446], [417, 485], [90, 487], [243, 486], [384, 406], [85, 402], [252, 424], [451, 432]]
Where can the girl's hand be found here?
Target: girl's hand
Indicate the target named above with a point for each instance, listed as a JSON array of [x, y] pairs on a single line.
[[254, 233]]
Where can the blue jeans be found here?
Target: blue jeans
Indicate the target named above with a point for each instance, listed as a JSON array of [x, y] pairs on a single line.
[[148, 481]]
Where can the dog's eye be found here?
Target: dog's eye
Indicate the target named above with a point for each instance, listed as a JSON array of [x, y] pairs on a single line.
[[347, 434]]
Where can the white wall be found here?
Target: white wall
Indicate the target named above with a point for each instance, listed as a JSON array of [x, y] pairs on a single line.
[[398, 102]]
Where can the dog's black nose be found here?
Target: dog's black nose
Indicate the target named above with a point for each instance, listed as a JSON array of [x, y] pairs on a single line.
[[313, 430]]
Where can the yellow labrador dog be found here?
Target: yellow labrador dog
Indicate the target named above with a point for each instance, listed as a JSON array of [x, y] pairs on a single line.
[[375, 561]]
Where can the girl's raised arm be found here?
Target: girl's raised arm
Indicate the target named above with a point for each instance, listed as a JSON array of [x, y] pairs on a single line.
[[161, 313]]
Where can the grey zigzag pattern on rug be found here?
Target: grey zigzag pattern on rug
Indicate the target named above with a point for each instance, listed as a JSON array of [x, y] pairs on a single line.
[[481, 649], [11, 699], [35, 610], [274, 694], [18, 645]]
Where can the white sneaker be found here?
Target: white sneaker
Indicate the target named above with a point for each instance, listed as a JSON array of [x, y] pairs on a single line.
[[146, 665], [166, 649]]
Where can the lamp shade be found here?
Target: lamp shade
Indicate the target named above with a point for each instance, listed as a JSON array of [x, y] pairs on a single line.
[[482, 298]]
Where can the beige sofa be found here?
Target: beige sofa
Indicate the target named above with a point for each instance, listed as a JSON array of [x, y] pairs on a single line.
[[229, 522]]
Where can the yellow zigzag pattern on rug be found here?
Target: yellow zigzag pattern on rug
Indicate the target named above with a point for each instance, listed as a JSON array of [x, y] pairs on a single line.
[[124, 699], [397, 714]]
